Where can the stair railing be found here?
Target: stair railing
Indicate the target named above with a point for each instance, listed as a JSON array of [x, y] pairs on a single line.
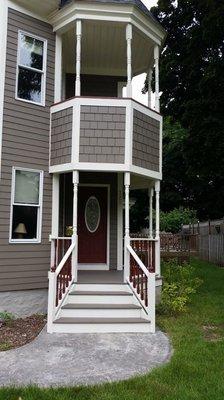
[[61, 275], [142, 281]]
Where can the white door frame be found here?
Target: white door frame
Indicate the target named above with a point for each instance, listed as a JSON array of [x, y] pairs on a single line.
[[94, 266]]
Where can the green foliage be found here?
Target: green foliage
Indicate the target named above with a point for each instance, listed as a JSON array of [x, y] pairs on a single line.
[[6, 316], [178, 286], [173, 220], [192, 82]]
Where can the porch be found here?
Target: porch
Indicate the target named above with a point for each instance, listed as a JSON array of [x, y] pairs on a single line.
[[100, 276]]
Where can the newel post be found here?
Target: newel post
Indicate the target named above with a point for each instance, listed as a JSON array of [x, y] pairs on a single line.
[[156, 57], [78, 58], [157, 236], [129, 59], [75, 177], [127, 227]]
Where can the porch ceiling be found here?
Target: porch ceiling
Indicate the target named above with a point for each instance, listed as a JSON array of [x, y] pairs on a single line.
[[104, 49], [41, 7]]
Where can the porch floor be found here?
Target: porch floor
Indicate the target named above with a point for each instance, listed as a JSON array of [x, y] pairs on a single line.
[[100, 277]]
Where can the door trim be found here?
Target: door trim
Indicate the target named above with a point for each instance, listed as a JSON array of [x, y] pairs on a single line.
[[94, 266]]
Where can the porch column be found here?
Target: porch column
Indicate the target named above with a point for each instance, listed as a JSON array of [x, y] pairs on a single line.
[[129, 60], [58, 69], [157, 237], [78, 58], [75, 178], [156, 57], [150, 88], [151, 193], [55, 214], [127, 227]]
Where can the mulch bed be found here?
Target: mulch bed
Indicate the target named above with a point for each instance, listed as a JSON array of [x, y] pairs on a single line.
[[18, 332]]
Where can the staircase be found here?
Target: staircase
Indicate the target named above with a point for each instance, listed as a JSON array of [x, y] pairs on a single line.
[[96, 308]]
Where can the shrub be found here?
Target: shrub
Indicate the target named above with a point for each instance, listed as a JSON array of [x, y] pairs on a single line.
[[172, 221], [178, 286], [6, 316]]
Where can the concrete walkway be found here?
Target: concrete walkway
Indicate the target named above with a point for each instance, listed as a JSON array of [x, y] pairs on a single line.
[[75, 359]]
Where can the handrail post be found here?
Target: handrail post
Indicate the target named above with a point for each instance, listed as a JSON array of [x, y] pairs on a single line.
[[51, 301], [127, 227], [152, 300]]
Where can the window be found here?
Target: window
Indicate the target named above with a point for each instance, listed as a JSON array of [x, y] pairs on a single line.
[[26, 209], [31, 69]]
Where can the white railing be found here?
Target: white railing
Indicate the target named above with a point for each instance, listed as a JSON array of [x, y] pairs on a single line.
[[142, 281], [60, 277]]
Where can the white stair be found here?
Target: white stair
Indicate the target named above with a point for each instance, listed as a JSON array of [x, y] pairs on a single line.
[[96, 308]]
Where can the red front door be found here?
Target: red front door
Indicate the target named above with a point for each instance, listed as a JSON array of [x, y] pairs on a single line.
[[92, 225]]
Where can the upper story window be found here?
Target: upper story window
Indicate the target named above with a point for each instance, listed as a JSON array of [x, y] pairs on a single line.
[[31, 68], [26, 207]]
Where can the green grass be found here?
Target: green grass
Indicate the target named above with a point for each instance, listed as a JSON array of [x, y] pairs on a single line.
[[196, 370]]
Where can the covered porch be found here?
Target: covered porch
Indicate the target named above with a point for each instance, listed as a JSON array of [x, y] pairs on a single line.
[[91, 240]]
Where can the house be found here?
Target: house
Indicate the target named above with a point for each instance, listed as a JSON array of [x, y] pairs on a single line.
[[71, 148]]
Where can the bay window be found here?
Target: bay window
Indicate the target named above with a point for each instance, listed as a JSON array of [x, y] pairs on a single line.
[[26, 207], [31, 69]]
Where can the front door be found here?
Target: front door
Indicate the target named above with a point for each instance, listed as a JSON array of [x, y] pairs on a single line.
[[92, 225]]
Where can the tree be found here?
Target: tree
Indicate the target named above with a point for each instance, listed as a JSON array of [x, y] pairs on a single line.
[[192, 82]]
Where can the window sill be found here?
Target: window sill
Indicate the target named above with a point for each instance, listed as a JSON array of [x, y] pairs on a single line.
[[24, 241], [31, 102]]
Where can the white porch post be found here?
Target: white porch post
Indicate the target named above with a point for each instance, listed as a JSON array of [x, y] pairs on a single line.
[[150, 88], [58, 69], [78, 58], [75, 177], [55, 214], [157, 258], [156, 57], [127, 227], [129, 60], [151, 192]]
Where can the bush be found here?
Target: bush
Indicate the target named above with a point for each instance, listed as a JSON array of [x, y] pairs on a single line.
[[173, 220], [178, 286]]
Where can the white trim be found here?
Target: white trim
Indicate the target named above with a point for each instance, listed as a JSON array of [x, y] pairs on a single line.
[[128, 130], [161, 147], [58, 69], [119, 222], [38, 206], [62, 19], [3, 45], [43, 72], [107, 186], [55, 206], [23, 10], [76, 117], [93, 267]]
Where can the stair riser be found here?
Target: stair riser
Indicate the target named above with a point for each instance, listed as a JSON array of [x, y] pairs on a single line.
[[101, 313], [86, 299], [100, 287], [102, 328]]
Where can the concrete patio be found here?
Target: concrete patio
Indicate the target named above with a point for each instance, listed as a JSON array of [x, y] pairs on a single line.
[[83, 359]]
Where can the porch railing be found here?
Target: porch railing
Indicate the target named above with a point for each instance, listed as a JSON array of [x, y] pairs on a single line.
[[142, 276], [61, 275]]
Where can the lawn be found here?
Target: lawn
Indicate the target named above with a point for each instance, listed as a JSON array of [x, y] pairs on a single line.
[[196, 370]]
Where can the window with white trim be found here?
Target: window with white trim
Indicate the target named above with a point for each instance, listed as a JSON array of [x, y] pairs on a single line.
[[31, 68], [26, 208]]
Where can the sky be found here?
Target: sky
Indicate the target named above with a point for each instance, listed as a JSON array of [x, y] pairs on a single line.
[[138, 81]]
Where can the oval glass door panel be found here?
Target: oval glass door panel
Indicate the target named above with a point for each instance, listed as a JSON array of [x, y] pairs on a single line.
[[92, 214]]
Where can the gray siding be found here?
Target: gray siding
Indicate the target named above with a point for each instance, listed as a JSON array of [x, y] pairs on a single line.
[[102, 134], [61, 137], [146, 141], [25, 144]]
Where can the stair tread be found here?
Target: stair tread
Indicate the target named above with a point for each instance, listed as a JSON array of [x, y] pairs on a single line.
[[74, 320], [101, 306], [99, 293]]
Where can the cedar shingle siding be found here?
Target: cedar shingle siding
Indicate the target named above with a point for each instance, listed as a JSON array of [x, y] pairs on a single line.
[[146, 141], [102, 134], [25, 144], [61, 137]]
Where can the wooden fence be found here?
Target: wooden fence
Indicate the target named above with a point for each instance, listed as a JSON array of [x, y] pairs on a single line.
[[211, 248]]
